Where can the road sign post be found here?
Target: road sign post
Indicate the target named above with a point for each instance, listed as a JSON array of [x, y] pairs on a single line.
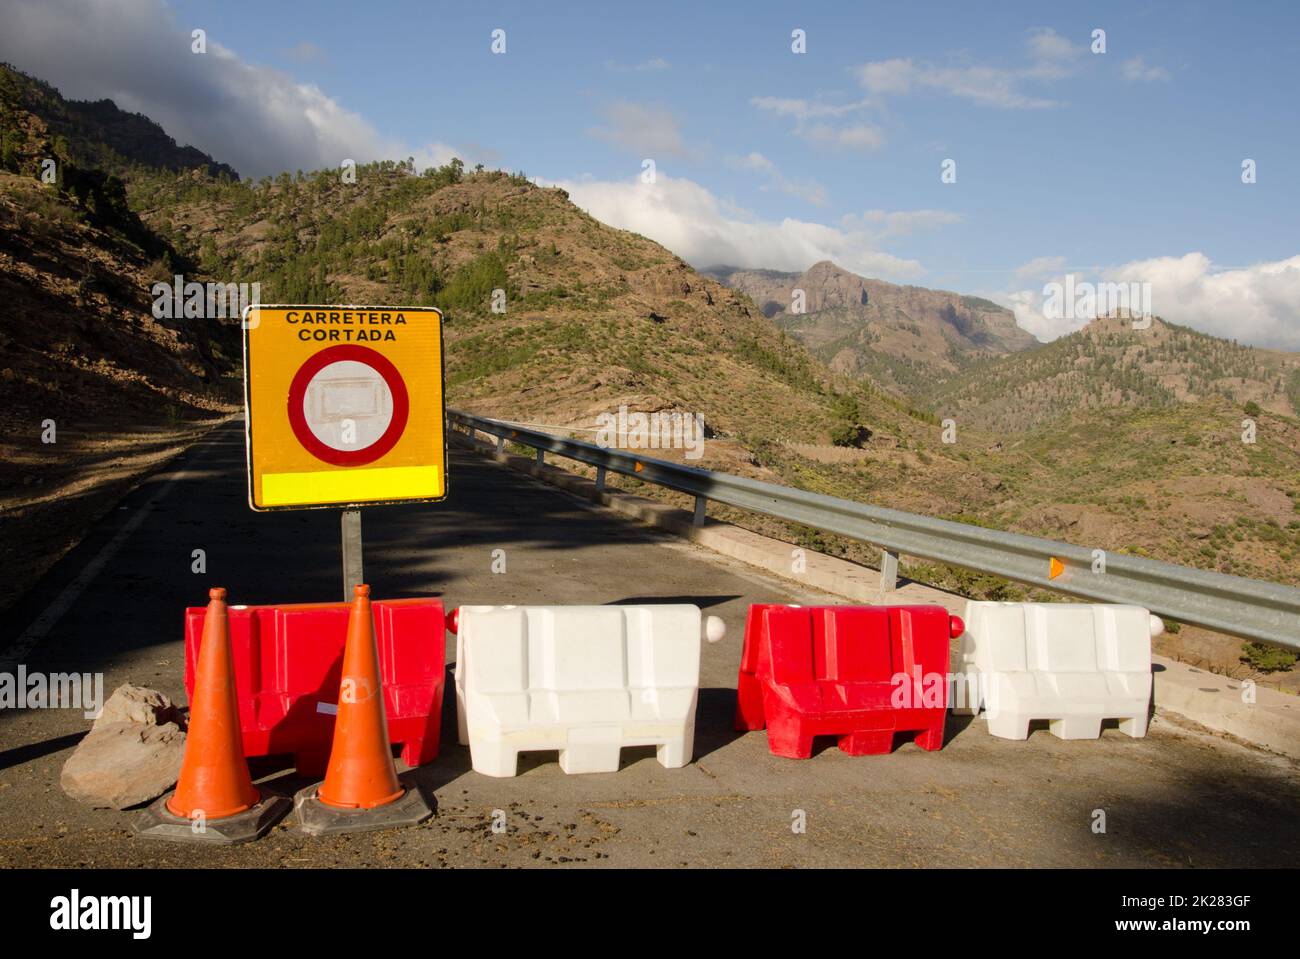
[[353, 567]]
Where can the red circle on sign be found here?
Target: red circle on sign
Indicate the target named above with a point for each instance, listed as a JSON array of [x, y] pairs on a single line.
[[381, 365]]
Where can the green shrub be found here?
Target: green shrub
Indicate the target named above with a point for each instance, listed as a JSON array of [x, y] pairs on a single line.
[[850, 434], [471, 286], [1265, 658], [845, 407], [447, 174]]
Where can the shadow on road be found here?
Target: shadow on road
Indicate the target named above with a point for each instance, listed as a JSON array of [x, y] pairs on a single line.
[[25, 754], [704, 602], [202, 533]]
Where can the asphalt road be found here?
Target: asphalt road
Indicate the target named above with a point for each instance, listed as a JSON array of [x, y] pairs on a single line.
[[1180, 797]]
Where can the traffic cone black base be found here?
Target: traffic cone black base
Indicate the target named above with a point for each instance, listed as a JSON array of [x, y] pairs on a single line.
[[158, 822], [320, 819]]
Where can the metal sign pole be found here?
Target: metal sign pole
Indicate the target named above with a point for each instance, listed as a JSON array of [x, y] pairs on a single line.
[[353, 574]]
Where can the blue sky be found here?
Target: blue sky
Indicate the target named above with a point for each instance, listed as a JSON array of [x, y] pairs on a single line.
[[1125, 163]]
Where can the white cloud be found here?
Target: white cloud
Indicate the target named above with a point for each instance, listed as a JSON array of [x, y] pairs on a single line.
[[854, 136], [654, 64], [1138, 69], [1050, 51], [807, 190], [887, 76], [706, 231], [258, 119], [858, 136], [782, 106], [1028, 309], [1257, 304], [756, 161], [887, 224], [802, 109], [1038, 268], [307, 52], [647, 131], [1050, 57], [987, 86]]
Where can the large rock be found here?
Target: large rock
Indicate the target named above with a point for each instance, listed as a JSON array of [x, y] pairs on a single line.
[[131, 755], [139, 705]]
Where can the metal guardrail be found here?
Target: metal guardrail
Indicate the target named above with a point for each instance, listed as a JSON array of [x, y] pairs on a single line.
[[1249, 608]]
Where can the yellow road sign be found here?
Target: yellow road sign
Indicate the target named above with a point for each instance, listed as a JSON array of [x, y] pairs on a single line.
[[343, 405]]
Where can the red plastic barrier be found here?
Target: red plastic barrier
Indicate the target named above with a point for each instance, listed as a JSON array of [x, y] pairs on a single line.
[[861, 673], [288, 661]]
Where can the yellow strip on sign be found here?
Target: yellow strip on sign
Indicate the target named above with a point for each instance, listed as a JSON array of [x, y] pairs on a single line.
[[350, 486]]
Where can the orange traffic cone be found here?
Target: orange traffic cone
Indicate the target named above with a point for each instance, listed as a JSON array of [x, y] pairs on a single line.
[[361, 774], [361, 790], [215, 799], [214, 776]]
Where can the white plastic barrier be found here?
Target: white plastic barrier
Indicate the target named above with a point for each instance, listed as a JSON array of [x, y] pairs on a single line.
[[1071, 664], [586, 680]]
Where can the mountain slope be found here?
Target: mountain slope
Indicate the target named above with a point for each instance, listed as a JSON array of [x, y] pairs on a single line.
[[78, 331], [77, 264], [1111, 364], [93, 134], [95, 392], [900, 336], [593, 318]]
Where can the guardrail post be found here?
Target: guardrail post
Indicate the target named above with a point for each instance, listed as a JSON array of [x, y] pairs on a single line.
[[600, 479], [541, 457], [888, 572], [700, 504], [501, 445]]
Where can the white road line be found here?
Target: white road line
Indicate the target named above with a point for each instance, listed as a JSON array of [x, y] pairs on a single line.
[[50, 616]]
